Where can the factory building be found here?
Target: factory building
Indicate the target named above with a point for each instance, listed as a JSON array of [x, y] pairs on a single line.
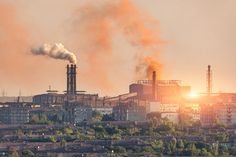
[[207, 115], [169, 111], [75, 113], [164, 91], [129, 112], [14, 113], [52, 98], [49, 99], [221, 108], [226, 113]]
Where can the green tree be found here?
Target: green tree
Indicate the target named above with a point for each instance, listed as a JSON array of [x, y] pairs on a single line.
[[173, 144], [180, 144], [14, 154], [119, 149], [204, 152], [158, 146], [19, 132], [108, 117], [53, 139], [223, 150], [63, 143], [67, 131], [27, 153], [148, 149], [96, 116]]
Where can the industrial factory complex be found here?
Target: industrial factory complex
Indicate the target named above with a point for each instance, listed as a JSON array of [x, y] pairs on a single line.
[[167, 97], [76, 123]]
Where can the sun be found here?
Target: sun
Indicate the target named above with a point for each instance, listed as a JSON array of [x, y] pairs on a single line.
[[193, 95]]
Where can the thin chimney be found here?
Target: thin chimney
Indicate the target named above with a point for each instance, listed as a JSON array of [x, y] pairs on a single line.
[[71, 79], [154, 85], [209, 80]]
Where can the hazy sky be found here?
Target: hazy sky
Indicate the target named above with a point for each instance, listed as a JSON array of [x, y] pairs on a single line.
[[198, 33]]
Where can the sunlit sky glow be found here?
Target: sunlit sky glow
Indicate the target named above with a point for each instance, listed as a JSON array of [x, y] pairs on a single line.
[[198, 33]]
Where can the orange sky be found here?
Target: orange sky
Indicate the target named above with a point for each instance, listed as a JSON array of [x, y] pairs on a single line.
[[198, 33]]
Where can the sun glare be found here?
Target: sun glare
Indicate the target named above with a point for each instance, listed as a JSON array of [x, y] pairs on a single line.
[[193, 95]]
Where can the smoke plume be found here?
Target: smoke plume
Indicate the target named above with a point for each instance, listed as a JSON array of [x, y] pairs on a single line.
[[97, 25], [57, 51]]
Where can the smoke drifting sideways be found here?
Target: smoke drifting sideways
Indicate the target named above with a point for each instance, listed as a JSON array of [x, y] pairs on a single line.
[[97, 25], [56, 51]]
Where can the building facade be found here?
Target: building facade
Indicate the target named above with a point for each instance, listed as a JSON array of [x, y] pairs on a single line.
[[226, 113], [166, 91], [75, 113], [14, 113], [129, 112]]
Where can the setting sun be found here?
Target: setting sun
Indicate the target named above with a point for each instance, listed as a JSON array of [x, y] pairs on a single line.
[[193, 95]]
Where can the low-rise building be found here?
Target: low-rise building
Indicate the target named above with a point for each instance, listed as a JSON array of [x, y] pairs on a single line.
[[226, 113], [170, 111], [103, 110], [14, 113], [76, 113], [129, 112], [172, 116], [207, 115]]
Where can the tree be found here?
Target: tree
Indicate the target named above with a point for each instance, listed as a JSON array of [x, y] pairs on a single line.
[[96, 116], [173, 144], [167, 126], [112, 130], [223, 150], [63, 143], [192, 150], [53, 139], [14, 154], [204, 152], [154, 115], [180, 144], [108, 117], [119, 149], [155, 118], [221, 137], [185, 118], [67, 131], [157, 145], [27, 153], [19, 132], [148, 149]]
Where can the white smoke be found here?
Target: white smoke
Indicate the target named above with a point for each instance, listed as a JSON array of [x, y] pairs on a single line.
[[57, 51]]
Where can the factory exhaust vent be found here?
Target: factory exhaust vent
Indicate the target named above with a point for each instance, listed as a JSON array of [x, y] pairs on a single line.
[[154, 85], [71, 79], [209, 81]]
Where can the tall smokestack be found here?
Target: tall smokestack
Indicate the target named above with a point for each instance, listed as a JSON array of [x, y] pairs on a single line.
[[71, 79], [74, 83], [154, 85], [209, 81], [68, 78]]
